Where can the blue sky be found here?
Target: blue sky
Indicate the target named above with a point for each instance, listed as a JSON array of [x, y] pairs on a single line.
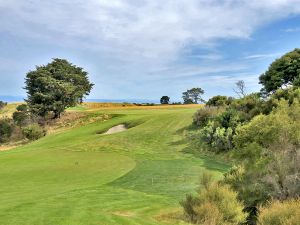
[[148, 48]]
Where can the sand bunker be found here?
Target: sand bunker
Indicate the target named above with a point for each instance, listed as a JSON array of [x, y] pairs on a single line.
[[116, 129]]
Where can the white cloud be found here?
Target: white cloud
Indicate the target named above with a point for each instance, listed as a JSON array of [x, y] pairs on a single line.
[[263, 56], [144, 29], [146, 40], [295, 29]]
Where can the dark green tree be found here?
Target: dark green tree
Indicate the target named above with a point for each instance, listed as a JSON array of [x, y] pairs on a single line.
[[192, 96], [6, 129], [283, 72], [21, 117], [53, 87], [2, 104], [219, 100], [164, 99]]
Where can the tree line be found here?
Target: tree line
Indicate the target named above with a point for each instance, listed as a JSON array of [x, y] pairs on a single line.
[[191, 96]]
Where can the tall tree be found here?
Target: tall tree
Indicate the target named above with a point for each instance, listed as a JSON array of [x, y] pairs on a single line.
[[192, 96], [283, 72], [56, 86], [164, 99]]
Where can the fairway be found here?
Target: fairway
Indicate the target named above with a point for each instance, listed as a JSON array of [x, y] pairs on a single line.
[[82, 177]]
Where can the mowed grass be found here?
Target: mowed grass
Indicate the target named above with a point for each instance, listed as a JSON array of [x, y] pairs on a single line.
[[83, 177]]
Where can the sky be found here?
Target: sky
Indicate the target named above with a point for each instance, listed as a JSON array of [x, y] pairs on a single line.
[[143, 49]]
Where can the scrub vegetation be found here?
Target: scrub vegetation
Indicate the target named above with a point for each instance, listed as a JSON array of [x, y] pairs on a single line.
[[260, 132]]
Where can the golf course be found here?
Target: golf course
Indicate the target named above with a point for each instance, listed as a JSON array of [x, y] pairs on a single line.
[[82, 176]]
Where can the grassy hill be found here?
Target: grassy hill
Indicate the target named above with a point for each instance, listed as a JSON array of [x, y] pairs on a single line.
[[8, 110], [82, 177]]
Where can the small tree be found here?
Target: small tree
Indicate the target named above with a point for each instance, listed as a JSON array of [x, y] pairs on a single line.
[[21, 117], [56, 86], [192, 96], [164, 99], [215, 204], [240, 89], [2, 104]]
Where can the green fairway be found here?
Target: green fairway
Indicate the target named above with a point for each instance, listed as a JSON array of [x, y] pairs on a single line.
[[83, 177]]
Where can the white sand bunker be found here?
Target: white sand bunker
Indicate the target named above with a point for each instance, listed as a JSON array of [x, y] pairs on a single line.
[[116, 129]]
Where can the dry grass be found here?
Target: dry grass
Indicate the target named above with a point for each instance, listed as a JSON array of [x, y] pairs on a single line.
[[73, 119], [8, 110], [174, 216], [124, 213], [12, 145], [96, 105], [7, 147]]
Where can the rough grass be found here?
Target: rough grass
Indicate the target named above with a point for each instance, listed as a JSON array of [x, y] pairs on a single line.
[[81, 177], [8, 110], [96, 105]]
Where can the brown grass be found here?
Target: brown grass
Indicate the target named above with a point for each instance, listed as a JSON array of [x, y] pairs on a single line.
[[8, 110], [124, 213], [73, 119], [96, 105], [171, 217], [6, 147]]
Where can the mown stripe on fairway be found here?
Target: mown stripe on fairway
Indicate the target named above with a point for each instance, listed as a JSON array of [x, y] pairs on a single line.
[[173, 178], [39, 174]]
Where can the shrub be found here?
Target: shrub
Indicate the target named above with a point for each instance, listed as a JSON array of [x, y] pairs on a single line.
[[280, 213], [251, 105], [219, 129], [208, 213], [6, 129], [268, 147], [229, 119], [2, 104], [219, 100], [22, 116], [33, 132], [222, 138], [282, 123], [215, 204], [203, 115], [290, 94], [207, 132]]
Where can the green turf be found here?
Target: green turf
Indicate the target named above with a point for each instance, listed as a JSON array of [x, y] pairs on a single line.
[[83, 177]]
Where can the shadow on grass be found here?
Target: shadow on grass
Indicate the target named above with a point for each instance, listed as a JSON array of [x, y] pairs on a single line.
[[193, 146]]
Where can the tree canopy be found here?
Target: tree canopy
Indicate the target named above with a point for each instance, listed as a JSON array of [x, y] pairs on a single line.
[[56, 86], [219, 100], [283, 72], [164, 99], [192, 96]]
